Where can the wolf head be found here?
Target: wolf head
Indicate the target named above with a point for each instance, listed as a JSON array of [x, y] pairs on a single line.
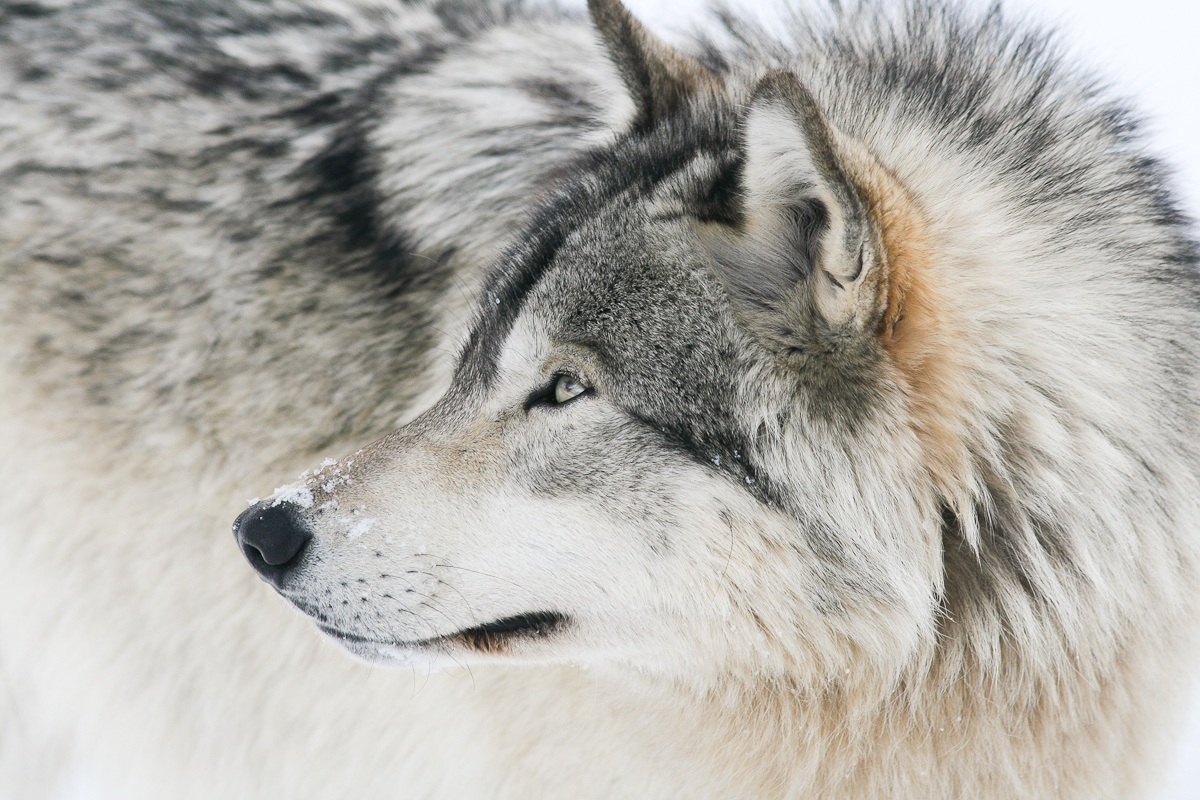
[[701, 406]]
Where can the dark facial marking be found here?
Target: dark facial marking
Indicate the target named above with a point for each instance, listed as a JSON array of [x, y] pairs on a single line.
[[495, 636]]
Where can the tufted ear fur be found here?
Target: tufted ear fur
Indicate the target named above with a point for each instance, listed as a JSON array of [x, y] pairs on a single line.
[[657, 75], [807, 245]]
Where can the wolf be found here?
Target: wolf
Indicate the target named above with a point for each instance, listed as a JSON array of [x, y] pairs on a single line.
[[810, 414]]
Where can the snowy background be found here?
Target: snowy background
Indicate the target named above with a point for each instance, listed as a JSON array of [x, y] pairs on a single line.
[[1148, 52]]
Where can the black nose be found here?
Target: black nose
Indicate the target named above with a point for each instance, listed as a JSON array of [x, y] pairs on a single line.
[[272, 538]]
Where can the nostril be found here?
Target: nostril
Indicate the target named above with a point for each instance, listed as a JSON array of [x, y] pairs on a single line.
[[272, 538]]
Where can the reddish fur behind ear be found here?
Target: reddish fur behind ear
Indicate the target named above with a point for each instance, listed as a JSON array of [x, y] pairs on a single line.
[[918, 328]]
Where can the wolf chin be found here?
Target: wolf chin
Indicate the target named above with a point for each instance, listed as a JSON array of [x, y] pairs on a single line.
[[801, 417]]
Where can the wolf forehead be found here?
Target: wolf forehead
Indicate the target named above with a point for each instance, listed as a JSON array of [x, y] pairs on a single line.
[[592, 233], [611, 249]]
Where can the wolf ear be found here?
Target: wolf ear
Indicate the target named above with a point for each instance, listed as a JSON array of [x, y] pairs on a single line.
[[657, 76], [806, 237]]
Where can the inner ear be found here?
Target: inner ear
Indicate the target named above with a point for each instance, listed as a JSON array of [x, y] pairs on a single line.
[[657, 76], [806, 243]]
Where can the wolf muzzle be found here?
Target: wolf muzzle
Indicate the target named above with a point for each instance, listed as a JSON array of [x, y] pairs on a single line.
[[273, 539]]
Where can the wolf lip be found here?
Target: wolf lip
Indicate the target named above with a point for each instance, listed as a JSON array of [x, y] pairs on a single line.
[[349, 638], [490, 637]]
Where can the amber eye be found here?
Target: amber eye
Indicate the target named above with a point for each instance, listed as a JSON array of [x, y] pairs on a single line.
[[567, 388]]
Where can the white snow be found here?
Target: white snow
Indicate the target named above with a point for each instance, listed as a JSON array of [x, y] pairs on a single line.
[[295, 493], [360, 527]]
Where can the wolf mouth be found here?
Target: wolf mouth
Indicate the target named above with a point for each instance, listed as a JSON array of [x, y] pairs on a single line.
[[491, 637]]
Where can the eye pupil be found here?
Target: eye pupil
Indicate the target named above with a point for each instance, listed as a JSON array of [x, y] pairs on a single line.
[[567, 388]]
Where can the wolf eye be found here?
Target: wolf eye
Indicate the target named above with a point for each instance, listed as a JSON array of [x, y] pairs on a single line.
[[567, 388], [561, 390]]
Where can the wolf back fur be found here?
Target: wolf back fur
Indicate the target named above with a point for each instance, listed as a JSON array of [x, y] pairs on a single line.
[[793, 418]]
